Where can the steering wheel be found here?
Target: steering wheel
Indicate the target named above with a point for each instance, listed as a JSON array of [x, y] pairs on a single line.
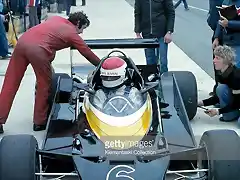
[[114, 51]]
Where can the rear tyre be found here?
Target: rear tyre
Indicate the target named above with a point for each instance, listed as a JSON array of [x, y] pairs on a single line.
[[221, 155], [18, 158]]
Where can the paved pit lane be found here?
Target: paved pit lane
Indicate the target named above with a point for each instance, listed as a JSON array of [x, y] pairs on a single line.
[[111, 19]]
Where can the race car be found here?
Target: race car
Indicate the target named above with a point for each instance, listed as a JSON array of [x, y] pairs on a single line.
[[122, 139]]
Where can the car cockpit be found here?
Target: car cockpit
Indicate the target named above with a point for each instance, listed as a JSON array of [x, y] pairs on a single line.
[[133, 75]]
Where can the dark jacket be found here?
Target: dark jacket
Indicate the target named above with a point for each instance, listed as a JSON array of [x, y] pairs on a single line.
[[7, 18], [231, 34], [154, 17], [231, 77], [213, 15]]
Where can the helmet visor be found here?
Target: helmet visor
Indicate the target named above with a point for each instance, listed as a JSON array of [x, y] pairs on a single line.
[[110, 78]]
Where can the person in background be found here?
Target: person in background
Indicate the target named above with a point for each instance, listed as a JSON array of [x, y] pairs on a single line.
[[229, 31], [184, 3], [1, 5], [83, 2], [212, 20], [5, 12], [68, 4], [60, 5], [4, 50], [33, 12], [155, 19], [39, 12], [228, 89]]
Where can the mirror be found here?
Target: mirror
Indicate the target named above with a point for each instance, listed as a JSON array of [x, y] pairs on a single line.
[[85, 87], [149, 86]]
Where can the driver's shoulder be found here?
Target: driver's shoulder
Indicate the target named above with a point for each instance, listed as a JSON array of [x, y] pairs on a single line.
[[132, 90]]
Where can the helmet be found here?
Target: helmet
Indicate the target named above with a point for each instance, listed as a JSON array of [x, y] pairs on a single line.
[[113, 72]]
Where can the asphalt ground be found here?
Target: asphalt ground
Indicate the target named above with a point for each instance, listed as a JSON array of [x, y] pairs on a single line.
[[109, 20]]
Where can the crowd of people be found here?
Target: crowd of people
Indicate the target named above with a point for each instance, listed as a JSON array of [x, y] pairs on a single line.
[[30, 9], [153, 19]]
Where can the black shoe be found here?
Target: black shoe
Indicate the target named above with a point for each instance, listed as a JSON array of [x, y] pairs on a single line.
[[1, 129], [39, 127], [163, 105], [223, 120], [211, 94], [6, 57], [166, 116]]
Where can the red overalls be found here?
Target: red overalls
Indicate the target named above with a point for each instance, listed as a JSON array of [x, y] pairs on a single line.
[[37, 47]]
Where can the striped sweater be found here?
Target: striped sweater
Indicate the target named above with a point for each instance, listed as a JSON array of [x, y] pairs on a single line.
[[34, 2]]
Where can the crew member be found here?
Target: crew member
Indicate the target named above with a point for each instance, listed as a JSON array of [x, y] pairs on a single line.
[[38, 47], [155, 19], [228, 90]]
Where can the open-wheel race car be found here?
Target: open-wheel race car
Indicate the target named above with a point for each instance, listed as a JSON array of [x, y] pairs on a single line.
[[122, 138]]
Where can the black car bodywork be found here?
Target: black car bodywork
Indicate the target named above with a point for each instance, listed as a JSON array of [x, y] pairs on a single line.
[[57, 147], [70, 148]]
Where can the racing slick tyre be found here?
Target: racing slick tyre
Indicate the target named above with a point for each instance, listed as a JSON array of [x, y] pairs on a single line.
[[187, 84], [19, 159], [221, 155]]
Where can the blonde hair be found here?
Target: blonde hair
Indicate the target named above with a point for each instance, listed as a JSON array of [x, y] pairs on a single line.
[[226, 53]]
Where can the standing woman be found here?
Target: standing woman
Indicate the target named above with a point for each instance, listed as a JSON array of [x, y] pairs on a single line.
[[229, 31]]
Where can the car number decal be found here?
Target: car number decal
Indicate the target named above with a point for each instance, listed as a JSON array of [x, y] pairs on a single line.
[[121, 173]]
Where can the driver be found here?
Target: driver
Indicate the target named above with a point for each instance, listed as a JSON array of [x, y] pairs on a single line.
[[113, 74]]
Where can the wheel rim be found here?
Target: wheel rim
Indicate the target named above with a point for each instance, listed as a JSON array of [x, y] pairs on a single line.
[[203, 160]]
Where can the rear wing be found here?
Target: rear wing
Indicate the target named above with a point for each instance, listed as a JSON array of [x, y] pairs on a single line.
[[129, 43]]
